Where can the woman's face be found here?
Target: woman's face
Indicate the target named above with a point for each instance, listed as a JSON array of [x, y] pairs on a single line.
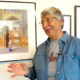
[[51, 25]]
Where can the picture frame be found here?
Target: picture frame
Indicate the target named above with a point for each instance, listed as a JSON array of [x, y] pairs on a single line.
[[67, 23], [77, 21], [19, 23]]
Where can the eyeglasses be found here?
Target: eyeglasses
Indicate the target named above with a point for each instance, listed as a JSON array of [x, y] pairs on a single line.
[[47, 20]]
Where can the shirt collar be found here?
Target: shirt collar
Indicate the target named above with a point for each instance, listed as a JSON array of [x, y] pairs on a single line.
[[64, 38]]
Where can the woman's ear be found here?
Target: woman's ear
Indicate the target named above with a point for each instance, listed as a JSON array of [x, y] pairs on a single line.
[[62, 22]]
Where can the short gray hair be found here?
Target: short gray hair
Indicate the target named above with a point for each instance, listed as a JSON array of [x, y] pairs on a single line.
[[52, 11]]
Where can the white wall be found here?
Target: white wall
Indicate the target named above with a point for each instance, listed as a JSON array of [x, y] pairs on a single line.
[[67, 8]]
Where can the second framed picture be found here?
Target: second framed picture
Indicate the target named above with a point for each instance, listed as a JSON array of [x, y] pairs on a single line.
[[77, 21], [67, 24]]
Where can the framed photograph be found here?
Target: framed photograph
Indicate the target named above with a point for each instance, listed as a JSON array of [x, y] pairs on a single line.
[[17, 30], [67, 24], [77, 21]]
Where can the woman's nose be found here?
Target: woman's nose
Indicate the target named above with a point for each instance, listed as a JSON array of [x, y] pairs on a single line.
[[45, 24]]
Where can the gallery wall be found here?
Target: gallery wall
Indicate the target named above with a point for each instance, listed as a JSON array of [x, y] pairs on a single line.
[[67, 8]]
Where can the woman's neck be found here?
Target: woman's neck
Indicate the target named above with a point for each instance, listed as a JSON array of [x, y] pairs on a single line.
[[57, 36]]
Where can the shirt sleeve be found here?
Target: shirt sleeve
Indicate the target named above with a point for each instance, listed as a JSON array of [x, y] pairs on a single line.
[[32, 74], [77, 49]]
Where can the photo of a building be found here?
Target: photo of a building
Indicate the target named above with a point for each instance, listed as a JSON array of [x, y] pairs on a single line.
[[13, 30]]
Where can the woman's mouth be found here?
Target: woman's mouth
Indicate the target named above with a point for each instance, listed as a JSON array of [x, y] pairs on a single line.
[[48, 29]]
